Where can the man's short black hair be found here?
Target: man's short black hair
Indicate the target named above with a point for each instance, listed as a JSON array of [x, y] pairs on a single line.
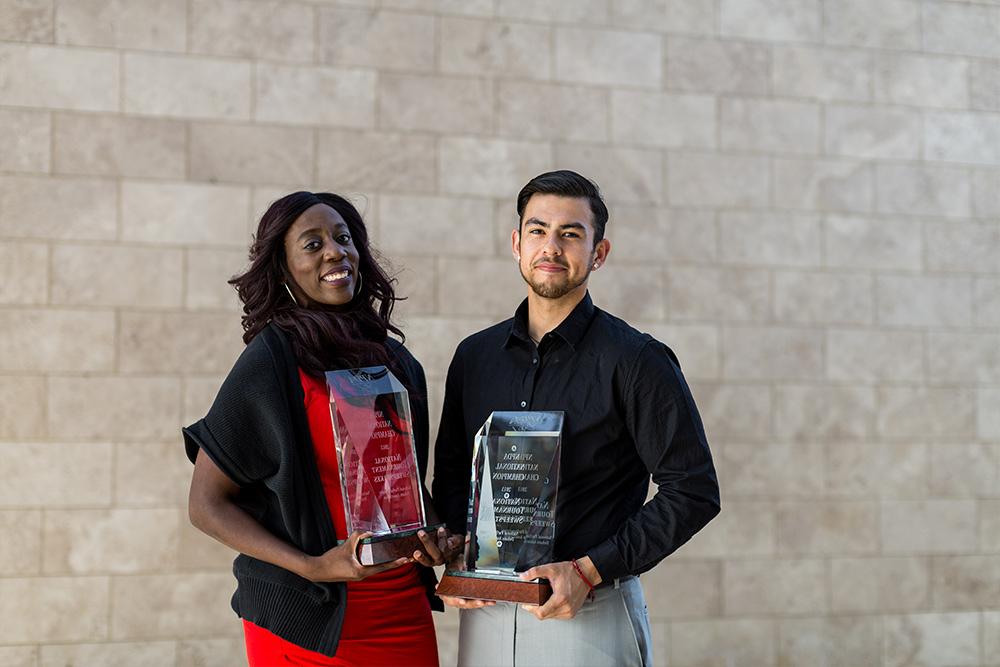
[[566, 183]]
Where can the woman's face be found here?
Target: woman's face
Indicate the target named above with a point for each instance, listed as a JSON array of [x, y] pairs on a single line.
[[322, 258]]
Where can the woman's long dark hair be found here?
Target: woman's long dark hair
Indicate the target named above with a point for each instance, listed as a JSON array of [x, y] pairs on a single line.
[[323, 337]]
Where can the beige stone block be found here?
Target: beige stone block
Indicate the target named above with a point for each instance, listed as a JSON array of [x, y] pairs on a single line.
[[397, 162], [965, 582], [642, 233], [378, 39], [489, 167], [929, 526], [26, 21], [582, 11], [667, 120], [988, 413], [969, 137], [747, 528], [688, 589], [459, 7], [114, 407], [417, 281], [199, 393], [868, 243], [315, 95], [924, 81], [625, 175], [53, 609], [777, 20], [212, 652], [22, 407], [19, 656], [116, 276], [984, 85], [630, 292], [830, 298], [187, 86], [21, 550], [154, 473], [771, 353], [733, 410], [120, 541], [811, 412], [717, 66], [989, 525], [722, 642], [873, 132], [433, 340], [490, 287], [434, 103], [908, 412], [963, 358], [775, 586], [932, 639], [690, 16], [892, 24], [991, 634], [828, 527], [962, 28], [986, 194], [270, 30], [149, 25], [190, 213], [528, 110], [770, 470], [206, 276], [493, 48], [692, 235], [893, 470], [831, 642], [961, 246], [774, 238], [165, 606], [821, 73], [964, 470], [170, 343], [104, 145], [823, 185], [57, 340], [871, 356], [703, 179], [608, 57], [119, 654], [719, 294], [58, 78], [872, 585], [199, 552], [696, 345], [436, 226], [24, 277], [924, 300], [924, 190], [251, 154], [986, 302], [55, 474], [57, 208], [26, 137], [769, 125]]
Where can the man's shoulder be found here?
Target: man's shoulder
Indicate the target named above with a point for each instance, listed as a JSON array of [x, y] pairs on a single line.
[[629, 342], [492, 336]]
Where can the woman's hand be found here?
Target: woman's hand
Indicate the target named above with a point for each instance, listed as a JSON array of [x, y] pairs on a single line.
[[341, 562], [439, 548]]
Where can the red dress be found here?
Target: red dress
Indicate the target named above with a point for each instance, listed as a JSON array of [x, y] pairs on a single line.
[[388, 618]]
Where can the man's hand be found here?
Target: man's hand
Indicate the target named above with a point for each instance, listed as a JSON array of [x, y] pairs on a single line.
[[569, 591]]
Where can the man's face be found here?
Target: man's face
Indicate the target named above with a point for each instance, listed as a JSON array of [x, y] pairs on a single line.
[[555, 245]]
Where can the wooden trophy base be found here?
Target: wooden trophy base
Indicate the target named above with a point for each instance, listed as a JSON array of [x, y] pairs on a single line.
[[478, 586], [379, 549]]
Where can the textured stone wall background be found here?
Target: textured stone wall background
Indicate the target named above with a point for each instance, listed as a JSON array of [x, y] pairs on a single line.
[[805, 201]]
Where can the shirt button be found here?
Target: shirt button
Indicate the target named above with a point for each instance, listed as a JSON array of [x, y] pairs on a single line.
[[524, 404], [534, 361]]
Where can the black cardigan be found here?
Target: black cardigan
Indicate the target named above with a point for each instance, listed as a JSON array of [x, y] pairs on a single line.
[[257, 433]]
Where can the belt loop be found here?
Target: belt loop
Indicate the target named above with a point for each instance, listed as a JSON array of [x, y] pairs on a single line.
[[617, 583]]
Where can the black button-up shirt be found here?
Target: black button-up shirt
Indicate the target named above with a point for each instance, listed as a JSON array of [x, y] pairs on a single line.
[[628, 414]]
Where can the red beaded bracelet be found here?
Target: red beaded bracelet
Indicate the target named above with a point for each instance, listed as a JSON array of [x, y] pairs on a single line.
[[579, 571]]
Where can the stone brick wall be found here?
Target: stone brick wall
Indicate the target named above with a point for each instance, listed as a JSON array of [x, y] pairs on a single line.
[[805, 201]]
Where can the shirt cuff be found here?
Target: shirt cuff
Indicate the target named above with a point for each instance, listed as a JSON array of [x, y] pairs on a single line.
[[608, 561]]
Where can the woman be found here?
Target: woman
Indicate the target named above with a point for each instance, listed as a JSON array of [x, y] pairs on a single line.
[[265, 480]]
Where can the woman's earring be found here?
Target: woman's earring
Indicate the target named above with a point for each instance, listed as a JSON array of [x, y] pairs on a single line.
[[289, 289], [361, 281]]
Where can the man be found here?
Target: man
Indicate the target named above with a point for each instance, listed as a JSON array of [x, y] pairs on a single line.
[[629, 415]]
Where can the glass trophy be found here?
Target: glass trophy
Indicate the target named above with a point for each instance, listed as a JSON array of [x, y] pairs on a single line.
[[512, 504], [380, 479]]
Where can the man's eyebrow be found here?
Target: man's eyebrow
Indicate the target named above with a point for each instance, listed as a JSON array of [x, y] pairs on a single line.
[[542, 223]]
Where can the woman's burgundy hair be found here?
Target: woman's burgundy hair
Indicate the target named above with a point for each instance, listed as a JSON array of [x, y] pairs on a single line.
[[323, 337]]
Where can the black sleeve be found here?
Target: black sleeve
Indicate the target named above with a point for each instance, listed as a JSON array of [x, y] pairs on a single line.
[[663, 421], [452, 454], [248, 415]]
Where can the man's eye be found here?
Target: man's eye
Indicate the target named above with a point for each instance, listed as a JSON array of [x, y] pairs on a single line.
[[571, 235], [535, 231]]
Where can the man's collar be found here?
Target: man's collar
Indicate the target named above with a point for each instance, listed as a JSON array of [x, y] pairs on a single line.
[[570, 329]]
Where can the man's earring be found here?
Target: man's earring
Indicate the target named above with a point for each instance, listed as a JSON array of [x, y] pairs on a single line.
[[289, 289], [596, 264]]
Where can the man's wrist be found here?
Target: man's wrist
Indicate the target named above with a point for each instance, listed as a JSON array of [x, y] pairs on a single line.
[[589, 570]]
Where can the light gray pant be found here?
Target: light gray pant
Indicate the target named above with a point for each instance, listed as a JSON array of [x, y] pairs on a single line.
[[611, 631]]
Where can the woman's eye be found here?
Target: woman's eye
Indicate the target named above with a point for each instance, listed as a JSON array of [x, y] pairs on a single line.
[[344, 239], [313, 245]]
